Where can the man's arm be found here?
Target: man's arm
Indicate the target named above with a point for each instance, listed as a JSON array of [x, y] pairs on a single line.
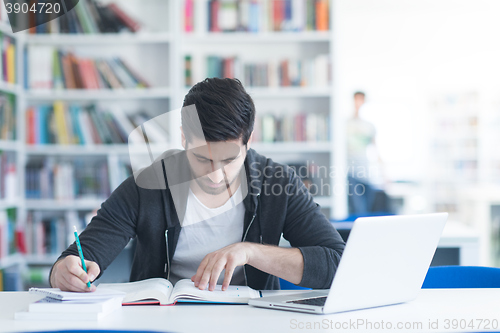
[[286, 263], [102, 240]]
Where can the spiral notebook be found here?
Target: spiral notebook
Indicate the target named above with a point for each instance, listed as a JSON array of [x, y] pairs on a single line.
[[56, 293]]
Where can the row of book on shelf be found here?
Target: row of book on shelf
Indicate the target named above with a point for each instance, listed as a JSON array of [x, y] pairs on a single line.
[[88, 17], [79, 178], [260, 15], [283, 73], [50, 68], [62, 123], [8, 52], [310, 127], [50, 234], [7, 117]]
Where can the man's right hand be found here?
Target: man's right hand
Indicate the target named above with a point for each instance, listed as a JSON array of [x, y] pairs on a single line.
[[68, 274]]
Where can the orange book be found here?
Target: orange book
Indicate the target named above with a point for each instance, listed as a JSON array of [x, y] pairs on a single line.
[[11, 63], [69, 79], [322, 15]]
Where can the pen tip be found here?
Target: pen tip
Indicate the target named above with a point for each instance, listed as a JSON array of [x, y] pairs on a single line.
[[75, 229]]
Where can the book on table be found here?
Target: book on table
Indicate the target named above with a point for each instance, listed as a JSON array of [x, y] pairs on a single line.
[[72, 306], [159, 291]]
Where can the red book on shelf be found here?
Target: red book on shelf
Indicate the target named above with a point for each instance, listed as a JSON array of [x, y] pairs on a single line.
[[129, 22], [76, 71], [92, 73], [82, 69], [214, 16], [188, 16], [285, 77], [69, 78], [30, 121], [322, 15], [277, 14]]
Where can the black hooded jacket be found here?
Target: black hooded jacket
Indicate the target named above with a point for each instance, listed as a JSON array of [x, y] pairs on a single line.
[[277, 203]]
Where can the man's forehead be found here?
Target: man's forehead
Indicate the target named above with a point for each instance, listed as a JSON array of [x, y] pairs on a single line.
[[217, 150]]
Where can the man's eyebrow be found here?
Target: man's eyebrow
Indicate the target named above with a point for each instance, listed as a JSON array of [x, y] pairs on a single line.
[[200, 156], [226, 159]]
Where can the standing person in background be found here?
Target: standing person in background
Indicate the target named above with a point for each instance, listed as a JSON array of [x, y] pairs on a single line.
[[363, 164]]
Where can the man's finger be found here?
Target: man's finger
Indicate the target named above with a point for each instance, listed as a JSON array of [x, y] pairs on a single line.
[[214, 275], [201, 269], [74, 283], [228, 275], [76, 269], [93, 270], [205, 277]]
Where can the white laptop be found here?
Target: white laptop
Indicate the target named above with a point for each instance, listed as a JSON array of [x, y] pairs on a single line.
[[384, 262]]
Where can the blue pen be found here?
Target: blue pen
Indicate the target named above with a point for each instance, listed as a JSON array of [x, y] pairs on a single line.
[[79, 247]]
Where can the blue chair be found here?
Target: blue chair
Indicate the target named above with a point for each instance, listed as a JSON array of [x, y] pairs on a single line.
[[286, 285], [462, 277]]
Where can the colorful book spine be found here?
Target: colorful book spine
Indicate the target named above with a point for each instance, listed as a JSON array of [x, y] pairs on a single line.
[[250, 15], [88, 17], [298, 127], [49, 68]]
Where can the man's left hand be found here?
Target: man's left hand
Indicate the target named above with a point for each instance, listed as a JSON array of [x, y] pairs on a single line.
[[227, 258]]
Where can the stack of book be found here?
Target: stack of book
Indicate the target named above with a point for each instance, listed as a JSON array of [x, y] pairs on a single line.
[[8, 66], [59, 305], [310, 127], [49, 68], [283, 73], [7, 117], [87, 17], [61, 180], [261, 15], [65, 124]]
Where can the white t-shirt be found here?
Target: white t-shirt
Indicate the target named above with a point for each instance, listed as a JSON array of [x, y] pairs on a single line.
[[205, 230]]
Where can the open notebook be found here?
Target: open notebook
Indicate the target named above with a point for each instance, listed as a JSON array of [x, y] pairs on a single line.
[[161, 291]]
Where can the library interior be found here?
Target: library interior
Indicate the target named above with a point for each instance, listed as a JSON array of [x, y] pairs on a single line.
[[382, 108]]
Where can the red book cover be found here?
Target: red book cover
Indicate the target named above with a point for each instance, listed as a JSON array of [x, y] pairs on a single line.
[[84, 74], [285, 77], [214, 16], [30, 121], [126, 19], [188, 16], [92, 73], [278, 14]]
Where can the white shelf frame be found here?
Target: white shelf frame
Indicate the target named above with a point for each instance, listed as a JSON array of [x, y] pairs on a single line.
[[176, 39]]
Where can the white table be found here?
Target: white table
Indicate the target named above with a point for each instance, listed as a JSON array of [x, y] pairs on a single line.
[[432, 307]]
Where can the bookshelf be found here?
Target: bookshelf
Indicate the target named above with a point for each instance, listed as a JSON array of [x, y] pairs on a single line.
[[158, 53]]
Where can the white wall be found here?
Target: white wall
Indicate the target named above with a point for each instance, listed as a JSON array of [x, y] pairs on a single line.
[[400, 51]]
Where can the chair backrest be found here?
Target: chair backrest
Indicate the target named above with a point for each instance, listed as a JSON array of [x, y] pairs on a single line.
[[462, 277]]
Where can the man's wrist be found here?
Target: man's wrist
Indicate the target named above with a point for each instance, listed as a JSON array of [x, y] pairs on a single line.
[[252, 251]]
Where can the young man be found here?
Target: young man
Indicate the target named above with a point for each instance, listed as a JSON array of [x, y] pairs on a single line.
[[220, 207]]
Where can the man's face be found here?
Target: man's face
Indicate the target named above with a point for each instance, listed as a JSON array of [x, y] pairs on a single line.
[[215, 165]]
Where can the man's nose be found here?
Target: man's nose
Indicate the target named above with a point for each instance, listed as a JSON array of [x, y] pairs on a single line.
[[217, 176]]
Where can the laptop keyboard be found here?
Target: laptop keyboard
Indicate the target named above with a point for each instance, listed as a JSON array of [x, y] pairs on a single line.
[[320, 301]]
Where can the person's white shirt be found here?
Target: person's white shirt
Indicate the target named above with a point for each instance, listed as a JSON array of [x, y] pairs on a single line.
[[205, 230]]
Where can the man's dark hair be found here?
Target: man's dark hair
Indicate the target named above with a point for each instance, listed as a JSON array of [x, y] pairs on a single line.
[[359, 93], [225, 110]]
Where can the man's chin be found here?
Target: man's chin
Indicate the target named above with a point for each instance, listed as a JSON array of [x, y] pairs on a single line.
[[213, 190]]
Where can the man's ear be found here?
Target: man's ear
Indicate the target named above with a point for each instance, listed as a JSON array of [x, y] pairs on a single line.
[[249, 140], [183, 138]]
